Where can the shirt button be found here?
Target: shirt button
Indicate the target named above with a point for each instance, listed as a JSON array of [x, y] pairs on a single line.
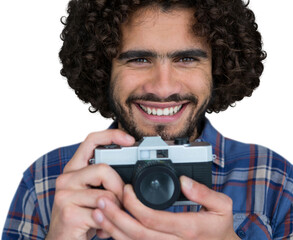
[[241, 233]]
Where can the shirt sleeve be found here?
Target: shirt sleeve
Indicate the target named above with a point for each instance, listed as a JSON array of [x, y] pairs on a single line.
[[23, 220], [285, 230], [282, 223], [30, 211]]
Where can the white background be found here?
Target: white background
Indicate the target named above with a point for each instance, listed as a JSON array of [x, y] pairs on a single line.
[[40, 113]]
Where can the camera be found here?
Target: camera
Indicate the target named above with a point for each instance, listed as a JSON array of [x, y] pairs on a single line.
[[153, 167]]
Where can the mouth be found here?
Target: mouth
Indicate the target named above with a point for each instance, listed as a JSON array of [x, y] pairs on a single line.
[[161, 111]]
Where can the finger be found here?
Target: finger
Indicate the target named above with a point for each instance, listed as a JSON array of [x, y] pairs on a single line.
[[92, 176], [76, 217], [67, 200], [107, 227], [86, 148], [186, 225], [162, 221], [86, 198], [120, 225], [213, 201], [75, 208]]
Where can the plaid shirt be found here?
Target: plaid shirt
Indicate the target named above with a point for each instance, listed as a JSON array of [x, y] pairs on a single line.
[[259, 181]]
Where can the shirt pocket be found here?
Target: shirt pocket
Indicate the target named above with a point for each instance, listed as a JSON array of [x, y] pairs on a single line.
[[252, 227]]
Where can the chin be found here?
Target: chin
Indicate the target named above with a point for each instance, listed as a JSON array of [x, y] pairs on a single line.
[[166, 132]]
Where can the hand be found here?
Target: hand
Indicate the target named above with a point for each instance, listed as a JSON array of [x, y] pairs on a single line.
[[75, 199], [213, 221]]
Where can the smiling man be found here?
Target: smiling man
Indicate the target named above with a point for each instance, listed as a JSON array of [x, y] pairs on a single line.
[[156, 67]]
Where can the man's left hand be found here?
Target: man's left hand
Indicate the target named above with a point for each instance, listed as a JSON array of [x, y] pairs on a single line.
[[213, 221]]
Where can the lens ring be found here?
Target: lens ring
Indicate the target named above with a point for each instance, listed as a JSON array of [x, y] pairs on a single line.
[[157, 186]]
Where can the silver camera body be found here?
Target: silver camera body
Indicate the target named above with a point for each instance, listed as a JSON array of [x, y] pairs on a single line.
[[154, 166]]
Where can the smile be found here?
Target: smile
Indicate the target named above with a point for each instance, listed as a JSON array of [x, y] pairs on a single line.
[[168, 111]]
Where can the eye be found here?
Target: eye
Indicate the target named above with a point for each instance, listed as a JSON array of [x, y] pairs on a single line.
[[138, 60], [187, 59]]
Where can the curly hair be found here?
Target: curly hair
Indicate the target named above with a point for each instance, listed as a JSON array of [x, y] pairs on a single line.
[[91, 39]]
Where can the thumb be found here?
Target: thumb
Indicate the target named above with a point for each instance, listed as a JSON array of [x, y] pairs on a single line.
[[201, 194]]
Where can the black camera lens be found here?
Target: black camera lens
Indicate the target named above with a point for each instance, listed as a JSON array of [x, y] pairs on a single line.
[[156, 185], [157, 188]]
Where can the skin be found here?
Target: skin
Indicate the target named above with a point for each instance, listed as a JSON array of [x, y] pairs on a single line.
[[161, 57], [75, 201], [79, 211]]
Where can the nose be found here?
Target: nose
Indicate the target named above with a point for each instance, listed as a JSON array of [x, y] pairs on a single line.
[[163, 81]]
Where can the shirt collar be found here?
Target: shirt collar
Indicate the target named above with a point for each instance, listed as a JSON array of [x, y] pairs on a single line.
[[210, 135], [217, 140]]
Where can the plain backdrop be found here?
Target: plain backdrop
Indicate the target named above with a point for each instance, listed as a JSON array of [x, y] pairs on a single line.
[[39, 112]]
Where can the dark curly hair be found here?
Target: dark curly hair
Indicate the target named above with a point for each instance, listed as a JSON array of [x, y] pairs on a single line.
[[91, 39]]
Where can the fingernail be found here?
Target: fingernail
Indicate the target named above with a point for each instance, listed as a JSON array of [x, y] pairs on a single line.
[[126, 188], [99, 217], [186, 183], [101, 204], [129, 138]]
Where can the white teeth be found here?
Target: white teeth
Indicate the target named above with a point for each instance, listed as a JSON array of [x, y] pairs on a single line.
[[166, 112], [161, 111]]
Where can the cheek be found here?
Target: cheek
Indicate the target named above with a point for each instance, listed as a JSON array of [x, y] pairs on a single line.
[[124, 84], [200, 84]]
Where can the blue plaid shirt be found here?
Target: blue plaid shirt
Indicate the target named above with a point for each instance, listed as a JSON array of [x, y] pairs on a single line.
[[259, 181]]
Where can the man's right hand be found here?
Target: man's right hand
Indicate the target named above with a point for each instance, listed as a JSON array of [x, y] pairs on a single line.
[[75, 199]]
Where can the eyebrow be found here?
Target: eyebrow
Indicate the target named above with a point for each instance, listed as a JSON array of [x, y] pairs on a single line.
[[131, 54], [136, 54], [196, 53]]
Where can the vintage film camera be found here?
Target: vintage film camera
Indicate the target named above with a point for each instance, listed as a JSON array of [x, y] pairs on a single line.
[[154, 166]]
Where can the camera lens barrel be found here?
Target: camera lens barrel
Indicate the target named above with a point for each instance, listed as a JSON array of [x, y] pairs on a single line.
[[156, 184]]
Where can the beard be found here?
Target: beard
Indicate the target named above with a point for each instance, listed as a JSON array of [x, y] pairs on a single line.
[[195, 122]]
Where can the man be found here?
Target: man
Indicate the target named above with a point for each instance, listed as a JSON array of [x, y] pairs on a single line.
[[157, 67]]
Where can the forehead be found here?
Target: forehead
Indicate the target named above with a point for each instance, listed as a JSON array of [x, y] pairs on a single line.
[[150, 15], [152, 28]]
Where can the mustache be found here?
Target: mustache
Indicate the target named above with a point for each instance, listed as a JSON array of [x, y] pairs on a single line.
[[154, 98]]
